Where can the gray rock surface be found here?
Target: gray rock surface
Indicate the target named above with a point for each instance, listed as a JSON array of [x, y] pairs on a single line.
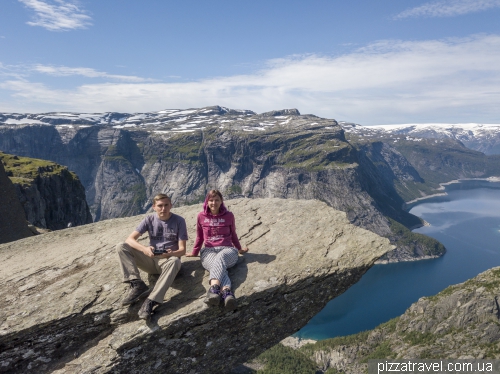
[[13, 224], [62, 312]]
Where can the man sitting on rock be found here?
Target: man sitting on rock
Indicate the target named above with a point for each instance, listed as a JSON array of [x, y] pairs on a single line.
[[167, 243]]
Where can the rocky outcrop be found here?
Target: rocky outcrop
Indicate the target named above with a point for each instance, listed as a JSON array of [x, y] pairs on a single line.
[[13, 224], [52, 197], [106, 161], [62, 312], [460, 322]]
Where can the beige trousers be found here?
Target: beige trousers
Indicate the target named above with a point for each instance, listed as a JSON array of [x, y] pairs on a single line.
[[131, 260]]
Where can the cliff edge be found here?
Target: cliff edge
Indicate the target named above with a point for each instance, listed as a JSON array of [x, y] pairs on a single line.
[[62, 312], [52, 196], [13, 225]]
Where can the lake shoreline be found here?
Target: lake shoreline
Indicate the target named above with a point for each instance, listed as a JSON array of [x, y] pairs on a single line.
[[442, 186], [387, 290]]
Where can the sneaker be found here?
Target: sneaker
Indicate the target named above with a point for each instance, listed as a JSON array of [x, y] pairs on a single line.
[[138, 290], [213, 295], [147, 308], [229, 299]]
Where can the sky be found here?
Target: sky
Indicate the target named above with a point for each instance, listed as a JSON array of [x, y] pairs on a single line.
[[363, 61]]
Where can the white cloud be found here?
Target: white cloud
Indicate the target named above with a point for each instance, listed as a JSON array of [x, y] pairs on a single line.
[[64, 71], [10, 72], [57, 16], [448, 8], [453, 80]]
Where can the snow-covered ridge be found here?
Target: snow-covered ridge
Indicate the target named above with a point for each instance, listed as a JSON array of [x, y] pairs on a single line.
[[478, 136], [170, 120], [445, 128]]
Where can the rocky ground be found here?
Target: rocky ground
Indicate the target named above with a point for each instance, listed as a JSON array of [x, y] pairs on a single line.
[[61, 312]]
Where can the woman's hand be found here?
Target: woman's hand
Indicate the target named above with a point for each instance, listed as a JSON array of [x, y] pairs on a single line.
[[243, 250], [190, 255]]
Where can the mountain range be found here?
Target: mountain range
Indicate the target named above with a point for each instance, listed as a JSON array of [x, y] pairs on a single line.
[[479, 137], [124, 159]]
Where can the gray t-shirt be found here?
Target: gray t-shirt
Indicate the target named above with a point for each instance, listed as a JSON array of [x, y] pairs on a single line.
[[164, 234]]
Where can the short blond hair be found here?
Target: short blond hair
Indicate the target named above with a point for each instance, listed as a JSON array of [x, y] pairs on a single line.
[[161, 196]]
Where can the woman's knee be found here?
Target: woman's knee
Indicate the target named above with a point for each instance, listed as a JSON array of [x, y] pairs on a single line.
[[231, 257]]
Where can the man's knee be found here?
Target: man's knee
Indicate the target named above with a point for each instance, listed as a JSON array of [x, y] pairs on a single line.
[[120, 247], [173, 262]]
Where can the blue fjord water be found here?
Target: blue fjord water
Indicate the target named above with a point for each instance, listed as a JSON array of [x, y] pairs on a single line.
[[466, 221]]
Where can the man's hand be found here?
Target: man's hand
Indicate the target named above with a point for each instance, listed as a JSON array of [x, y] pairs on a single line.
[[148, 251], [169, 252], [166, 254], [243, 250], [132, 241]]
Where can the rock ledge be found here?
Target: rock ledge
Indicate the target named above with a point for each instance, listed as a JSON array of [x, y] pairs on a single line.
[[61, 293]]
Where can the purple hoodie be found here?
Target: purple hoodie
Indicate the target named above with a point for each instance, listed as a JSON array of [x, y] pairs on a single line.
[[215, 230]]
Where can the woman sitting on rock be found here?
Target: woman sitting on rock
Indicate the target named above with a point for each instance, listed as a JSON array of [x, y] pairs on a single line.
[[216, 228]]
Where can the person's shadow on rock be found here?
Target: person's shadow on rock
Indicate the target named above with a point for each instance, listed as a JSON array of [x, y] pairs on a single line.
[[189, 281], [261, 258], [239, 272]]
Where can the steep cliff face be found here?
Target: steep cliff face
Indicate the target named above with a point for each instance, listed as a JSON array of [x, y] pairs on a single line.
[[105, 159], [62, 313], [52, 197], [293, 162], [13, 224]]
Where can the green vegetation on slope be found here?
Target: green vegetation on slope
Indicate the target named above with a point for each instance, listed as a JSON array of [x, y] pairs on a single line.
[[139, 191], [285, 360], [183, 148], [410, 190], [113, 155], [23, 170], [406, 238], [281, 359]]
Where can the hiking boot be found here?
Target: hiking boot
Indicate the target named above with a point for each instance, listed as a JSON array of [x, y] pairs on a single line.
[[138, 290], [147, 308], [213, 295], [229, 299]]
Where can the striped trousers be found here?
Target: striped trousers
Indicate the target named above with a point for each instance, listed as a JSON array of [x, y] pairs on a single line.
[[217, 260]]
